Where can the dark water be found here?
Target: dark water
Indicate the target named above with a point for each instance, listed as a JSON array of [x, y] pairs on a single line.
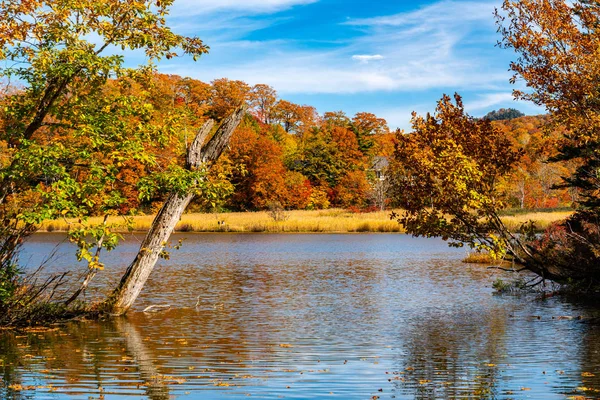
[[309, 316]]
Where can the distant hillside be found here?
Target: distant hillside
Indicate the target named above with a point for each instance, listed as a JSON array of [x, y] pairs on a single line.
[[503, 114]]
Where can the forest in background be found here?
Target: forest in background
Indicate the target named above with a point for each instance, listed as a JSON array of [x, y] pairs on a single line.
[[288, 156]]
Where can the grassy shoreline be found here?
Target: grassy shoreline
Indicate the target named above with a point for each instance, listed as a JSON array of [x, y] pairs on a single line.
[[297, 221]]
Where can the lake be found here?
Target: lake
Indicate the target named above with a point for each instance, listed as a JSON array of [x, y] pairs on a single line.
[[355, 316]]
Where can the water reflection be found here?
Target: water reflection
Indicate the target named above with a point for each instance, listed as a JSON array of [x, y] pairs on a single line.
[[310, 316], [457, 357]]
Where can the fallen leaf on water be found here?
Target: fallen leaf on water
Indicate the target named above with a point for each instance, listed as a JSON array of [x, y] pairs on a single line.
[[38, 329], [587, 389], [587, 374]]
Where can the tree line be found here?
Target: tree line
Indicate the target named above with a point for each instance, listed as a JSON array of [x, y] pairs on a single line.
[[282, 153], [287, 155]]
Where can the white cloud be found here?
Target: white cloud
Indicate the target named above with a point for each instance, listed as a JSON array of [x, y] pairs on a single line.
[[485, 101], [435, 47], [400, 117], [489, 101], [247, 7], [365, 58], [443, 12]]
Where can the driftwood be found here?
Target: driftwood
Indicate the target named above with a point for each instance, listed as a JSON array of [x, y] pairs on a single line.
[[157, 308], [137, 273]]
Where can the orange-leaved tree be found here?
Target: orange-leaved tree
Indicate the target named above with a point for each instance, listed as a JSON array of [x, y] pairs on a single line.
[[558, 48], [447, 174]]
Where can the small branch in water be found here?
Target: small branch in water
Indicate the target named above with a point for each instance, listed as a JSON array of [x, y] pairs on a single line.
[[506, 269], [162, 307], [60, 282], [531, 285]]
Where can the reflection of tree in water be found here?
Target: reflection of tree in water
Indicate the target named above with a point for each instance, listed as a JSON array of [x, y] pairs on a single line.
[[590, 359], [235, 336], [143, 359], [76, 355], [180, 350], [111, 354], [451, 356], [10, 365]]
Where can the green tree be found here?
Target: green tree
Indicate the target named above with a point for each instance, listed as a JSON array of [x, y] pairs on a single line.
[[503, 114], [318, 159], [75, 121]]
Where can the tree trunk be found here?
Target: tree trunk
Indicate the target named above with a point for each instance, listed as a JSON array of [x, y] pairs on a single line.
[[138, 272]]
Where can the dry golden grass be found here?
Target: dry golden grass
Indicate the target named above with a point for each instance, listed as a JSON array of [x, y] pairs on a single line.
[[542, 219], [332, 220], [479, 258]]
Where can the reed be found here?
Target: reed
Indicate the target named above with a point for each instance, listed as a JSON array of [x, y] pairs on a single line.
[[542, 220], [332, 221], [479, 258]]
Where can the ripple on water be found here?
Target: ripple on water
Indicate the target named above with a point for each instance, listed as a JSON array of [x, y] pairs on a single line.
[[308, 316]]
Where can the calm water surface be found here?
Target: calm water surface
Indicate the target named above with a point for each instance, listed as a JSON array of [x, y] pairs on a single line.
[[308, 316]]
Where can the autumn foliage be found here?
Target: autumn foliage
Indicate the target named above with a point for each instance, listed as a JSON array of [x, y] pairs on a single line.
[[288, 153], [447, 174], [454, 174]]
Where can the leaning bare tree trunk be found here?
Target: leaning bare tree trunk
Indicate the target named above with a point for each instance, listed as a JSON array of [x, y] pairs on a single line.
[[138, 272]]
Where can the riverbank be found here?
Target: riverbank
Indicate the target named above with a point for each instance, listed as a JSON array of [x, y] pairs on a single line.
[[299, 221]]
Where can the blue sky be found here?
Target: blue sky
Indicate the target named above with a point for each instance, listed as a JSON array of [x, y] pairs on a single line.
[[384, 57]]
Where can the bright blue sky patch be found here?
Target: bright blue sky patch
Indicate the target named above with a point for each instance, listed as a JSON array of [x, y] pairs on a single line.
[[385, 57]]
